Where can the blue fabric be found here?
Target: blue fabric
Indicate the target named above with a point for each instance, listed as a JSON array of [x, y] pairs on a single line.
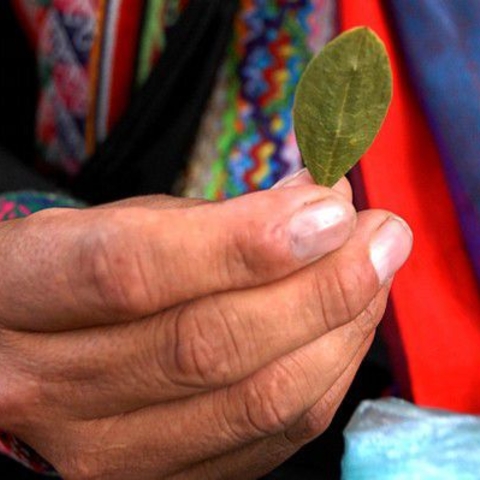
[[23, 203], [441, 42], [391, 439]]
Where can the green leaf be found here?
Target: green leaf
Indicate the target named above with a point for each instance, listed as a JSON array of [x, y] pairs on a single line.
[[341, 102]]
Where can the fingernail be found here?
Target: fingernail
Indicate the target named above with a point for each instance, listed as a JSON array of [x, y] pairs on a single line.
[[320, 228], [390, 247], [301, 177]]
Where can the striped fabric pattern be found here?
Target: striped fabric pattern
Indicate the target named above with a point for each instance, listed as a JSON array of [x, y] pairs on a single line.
[[246, 141], [92, 55]]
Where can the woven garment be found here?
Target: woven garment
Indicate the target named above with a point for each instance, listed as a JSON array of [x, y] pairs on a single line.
[[92, 55], [89, 71], [21, 204], [246, 141]]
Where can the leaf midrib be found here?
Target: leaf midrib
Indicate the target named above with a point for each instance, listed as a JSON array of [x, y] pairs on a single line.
[[335, 142]]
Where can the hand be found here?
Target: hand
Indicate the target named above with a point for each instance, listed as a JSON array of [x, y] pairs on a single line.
[[160, 338]]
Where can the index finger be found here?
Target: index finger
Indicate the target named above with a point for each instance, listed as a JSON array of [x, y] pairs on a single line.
[[76, 268]]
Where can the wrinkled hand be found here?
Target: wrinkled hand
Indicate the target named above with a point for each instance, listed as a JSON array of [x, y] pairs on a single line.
[[160, 338]]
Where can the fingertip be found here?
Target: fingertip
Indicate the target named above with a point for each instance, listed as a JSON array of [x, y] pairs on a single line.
[[390, 247], [344, 188]]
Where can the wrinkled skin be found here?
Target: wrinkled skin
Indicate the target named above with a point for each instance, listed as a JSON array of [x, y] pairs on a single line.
[[161, 338]]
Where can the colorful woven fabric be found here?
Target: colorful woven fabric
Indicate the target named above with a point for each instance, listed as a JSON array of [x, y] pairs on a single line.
[[246, 141], [92, 55], [252, 145], [159, 16], [64, 33], [21, 204]]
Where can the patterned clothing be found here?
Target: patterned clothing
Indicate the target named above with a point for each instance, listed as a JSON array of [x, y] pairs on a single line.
[[91, 56], [88, 70], [246, 141], [21, 204]]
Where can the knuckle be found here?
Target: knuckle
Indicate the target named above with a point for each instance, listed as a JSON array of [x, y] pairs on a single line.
[[43, 217], [205, 351], [313, 423], [317, 418], [248, 254], [342, 292], [273, 402], [368, 320], [113, 256]]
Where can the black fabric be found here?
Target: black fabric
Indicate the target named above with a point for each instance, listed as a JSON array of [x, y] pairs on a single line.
[[149, 147], [14, 175], [18, 95], [18, 88], [12, 470]]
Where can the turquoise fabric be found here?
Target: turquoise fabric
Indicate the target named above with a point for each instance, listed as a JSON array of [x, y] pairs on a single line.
[[390, 439], [21, 204]]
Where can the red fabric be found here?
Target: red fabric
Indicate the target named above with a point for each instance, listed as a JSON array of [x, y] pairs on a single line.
[[14, 448], [125, 57], [435, 296], [30, 16]]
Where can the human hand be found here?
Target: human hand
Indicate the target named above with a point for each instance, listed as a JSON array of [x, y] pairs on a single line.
[[160, 338]]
